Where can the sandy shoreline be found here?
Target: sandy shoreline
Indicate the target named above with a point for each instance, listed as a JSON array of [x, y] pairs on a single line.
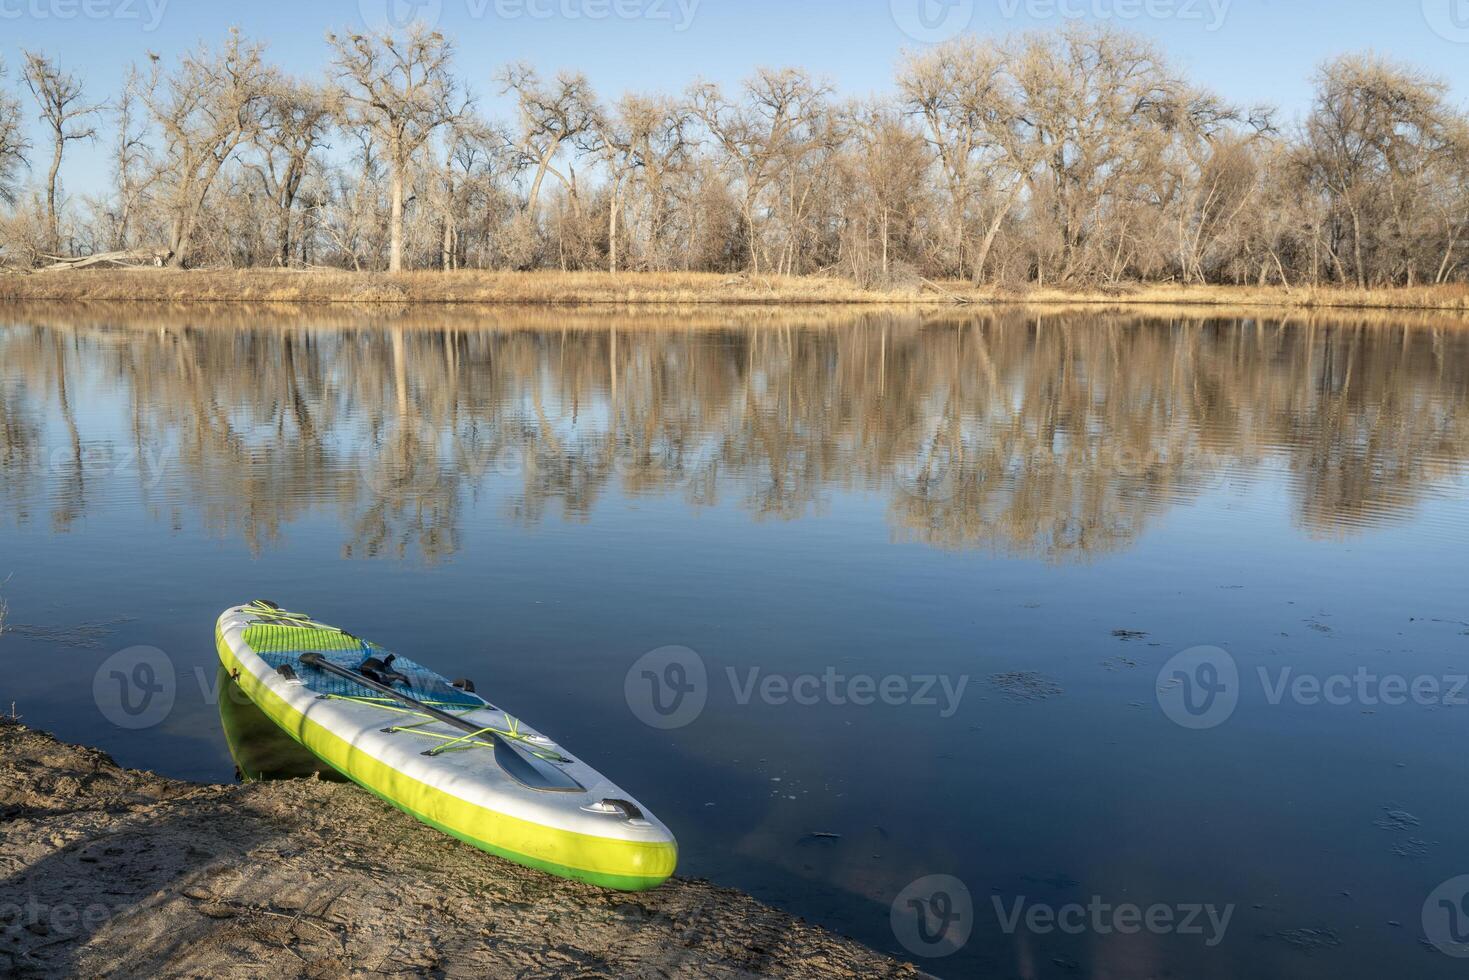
[[109, 871]]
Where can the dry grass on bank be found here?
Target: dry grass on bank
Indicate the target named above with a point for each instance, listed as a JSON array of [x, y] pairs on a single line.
[[570, 289], [473, 287], [656, 318], [1449, 298]]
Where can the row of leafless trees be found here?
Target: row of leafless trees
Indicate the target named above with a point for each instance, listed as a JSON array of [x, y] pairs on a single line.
[[1075, 156]]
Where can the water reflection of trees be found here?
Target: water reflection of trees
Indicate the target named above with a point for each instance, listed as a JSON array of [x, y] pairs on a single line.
[[1059, 435]]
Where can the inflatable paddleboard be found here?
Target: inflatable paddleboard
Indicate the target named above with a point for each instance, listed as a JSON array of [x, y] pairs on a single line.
[[440, 752]]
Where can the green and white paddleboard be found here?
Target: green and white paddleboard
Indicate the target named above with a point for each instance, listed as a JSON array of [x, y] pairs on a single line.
[[441, 753]]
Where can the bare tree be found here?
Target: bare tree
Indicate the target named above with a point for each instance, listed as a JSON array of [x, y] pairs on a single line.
[[1378, 135], [212, 104], [551, 116], [642, 140], [353, 223], [469, 192], [612, 140], [13, 144], [1208, 185], [58, 95], [768, 130], [1098, 110], [887, 170], [298, 117], [402, 90], [964, 94], [132, 173], [667, 153], [1448, 197]]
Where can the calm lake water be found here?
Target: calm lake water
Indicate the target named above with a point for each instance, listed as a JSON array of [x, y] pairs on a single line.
[[928, 582]]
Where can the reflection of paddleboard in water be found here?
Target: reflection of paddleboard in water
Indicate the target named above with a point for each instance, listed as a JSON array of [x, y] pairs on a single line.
[[260, 749]]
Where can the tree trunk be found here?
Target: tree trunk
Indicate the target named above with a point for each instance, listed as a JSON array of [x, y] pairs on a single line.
[[53, 225], [132, 257], [178, 241], [1444, 266], [289, 188], [120, 240], [186, 222], [533, 201], [749, 213], [1357, 249], [448, 246], [612, 232], [1280, 267], [884, 245], [283, 238], [993, 231], [395, 253]]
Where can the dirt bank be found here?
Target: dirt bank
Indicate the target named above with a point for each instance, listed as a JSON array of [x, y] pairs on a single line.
[[106, 871]]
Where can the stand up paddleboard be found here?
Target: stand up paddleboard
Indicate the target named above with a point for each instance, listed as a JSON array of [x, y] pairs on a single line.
[[440, 752]]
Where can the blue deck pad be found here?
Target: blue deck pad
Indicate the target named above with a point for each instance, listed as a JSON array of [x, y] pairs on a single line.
[[423, 684]]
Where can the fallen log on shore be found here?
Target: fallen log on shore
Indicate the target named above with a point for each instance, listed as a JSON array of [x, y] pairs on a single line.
[[124, 258], [961, 300]]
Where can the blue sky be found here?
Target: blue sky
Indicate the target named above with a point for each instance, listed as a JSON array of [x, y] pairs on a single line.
[[1251, 51]]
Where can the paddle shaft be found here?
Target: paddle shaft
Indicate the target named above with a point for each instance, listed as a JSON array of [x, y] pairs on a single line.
[[317, 661], [542, 768]]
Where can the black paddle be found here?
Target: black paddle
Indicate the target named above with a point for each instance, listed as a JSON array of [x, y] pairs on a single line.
[[520, 765]]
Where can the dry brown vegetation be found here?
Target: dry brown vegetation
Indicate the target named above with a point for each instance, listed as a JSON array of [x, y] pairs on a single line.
[[487, 287], [570, 289], [1454, 297]]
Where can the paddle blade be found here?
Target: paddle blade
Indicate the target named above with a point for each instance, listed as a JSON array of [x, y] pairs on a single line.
[[533, 772]]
